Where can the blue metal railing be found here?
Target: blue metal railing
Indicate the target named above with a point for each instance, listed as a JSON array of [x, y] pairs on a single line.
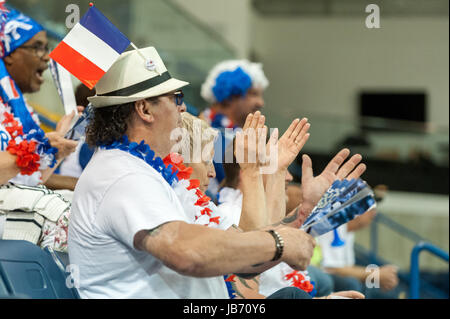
[[363, 257], [408, 233], [414, 271], [398, 228]]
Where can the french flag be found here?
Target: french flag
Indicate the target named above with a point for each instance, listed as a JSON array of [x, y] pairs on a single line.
[[90, 48]]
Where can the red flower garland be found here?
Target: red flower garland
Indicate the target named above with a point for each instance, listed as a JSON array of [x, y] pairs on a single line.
[[27, 160], [231, 278], [193, 183], [299, 281], [176, 160]]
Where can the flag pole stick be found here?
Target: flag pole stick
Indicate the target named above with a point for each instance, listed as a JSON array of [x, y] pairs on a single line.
[[138, 51], [143, 57]]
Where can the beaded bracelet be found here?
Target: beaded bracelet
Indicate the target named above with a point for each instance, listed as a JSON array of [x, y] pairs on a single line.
[[279, 244]]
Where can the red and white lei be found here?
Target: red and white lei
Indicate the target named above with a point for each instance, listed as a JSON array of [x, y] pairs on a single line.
[[196, 204], [25, 147], [301, 280]]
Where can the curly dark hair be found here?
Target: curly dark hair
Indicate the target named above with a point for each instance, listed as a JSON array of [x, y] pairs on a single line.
[[108, 124]]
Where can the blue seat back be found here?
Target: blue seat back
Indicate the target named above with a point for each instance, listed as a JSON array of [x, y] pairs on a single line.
[[27, 270]]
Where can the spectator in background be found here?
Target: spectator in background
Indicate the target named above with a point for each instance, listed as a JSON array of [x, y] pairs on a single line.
[[338, 259], [335, 253], [28, 156], [234, 89], [82, 92], [75, 163], [24, 58]]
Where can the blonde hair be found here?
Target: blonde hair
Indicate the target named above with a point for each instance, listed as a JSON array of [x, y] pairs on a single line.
[[197, 128]]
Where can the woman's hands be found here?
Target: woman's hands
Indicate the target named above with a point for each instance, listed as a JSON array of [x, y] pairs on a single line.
[[250, 144], [251, 153], [292, 141], [251, 149]]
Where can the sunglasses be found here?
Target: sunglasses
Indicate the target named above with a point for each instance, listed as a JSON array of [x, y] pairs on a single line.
[[38, 49], [179, 98], [178, 95]]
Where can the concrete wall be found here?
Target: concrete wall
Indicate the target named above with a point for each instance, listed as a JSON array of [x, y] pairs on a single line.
[[317, 65], [230, 18]]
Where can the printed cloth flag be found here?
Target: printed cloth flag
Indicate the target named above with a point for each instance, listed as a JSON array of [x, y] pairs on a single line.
[[3, 17], [16, 30], [90, 48]]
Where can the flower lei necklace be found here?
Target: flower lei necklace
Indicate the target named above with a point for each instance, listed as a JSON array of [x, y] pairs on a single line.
[[298, 279], [301, 280], [177, 175], [33, 150]]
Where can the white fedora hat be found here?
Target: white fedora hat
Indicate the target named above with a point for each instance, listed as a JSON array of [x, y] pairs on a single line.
[[131, 79]]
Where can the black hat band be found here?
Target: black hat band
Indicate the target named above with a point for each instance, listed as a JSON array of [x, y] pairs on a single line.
[[141, 86]]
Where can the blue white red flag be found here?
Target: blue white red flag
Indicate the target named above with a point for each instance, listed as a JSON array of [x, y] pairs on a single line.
[[90, 48]]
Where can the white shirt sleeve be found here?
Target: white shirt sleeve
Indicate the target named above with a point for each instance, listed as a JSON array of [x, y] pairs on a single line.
[[137, 202], [231, 215]]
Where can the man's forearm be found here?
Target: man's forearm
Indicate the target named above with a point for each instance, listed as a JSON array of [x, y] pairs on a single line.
[[8, 167], [247, 289], [182, 247], [56, 181], [49, 171]]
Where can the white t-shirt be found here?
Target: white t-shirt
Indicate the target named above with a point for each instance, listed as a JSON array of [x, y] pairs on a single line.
[[116, 196], [274, 279], [230, 205], [71, 165], [337, 256]]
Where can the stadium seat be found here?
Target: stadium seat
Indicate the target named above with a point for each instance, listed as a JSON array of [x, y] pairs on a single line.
[[28, 271]]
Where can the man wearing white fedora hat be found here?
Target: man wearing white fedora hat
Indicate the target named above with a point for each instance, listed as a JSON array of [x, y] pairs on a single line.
[[128, 226]]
